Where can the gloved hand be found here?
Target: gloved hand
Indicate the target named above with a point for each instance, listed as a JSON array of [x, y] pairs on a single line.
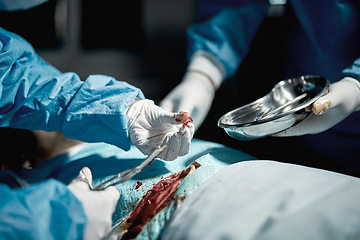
[[98, 205], [151, 127], [196, 92], [342, 99]]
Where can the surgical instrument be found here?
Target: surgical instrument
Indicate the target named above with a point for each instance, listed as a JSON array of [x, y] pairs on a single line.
[[128, 174]]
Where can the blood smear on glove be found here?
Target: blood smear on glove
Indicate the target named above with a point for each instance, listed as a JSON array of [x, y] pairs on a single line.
[[185, 119]]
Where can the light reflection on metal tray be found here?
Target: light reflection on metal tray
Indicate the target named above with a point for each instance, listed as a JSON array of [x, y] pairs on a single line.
[[283, 107]]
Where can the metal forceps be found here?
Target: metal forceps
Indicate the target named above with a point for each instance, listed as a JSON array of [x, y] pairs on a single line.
[[128, 174]]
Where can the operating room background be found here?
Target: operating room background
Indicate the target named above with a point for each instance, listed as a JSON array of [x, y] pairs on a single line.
[[143, 42]]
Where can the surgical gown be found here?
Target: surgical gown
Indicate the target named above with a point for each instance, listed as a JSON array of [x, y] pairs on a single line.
[[324, 39], [35, 95]]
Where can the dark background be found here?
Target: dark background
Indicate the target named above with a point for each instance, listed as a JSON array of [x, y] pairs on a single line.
[[144, 43]]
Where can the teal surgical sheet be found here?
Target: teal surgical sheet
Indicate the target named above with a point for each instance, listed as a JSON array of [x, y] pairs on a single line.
[[106, 160]]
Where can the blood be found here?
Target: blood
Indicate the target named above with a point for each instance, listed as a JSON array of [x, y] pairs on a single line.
[[148, 206], [153, 201], [185, 119], [151, 161], [189, 120], [138, 184]]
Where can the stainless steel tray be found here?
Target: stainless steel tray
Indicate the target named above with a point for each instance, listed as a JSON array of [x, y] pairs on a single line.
[[286, 105]]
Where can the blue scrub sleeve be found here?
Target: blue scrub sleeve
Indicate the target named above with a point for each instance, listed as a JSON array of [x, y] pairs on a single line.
[[226, 29], [46, 210], [353, 70], [35, 95]]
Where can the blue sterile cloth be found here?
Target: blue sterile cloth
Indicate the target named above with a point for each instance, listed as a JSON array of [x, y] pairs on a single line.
[[106, 160]]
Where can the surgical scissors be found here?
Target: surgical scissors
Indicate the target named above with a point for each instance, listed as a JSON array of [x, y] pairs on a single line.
[[128, 174]]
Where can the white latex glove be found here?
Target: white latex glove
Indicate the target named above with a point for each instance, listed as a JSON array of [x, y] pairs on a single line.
[[342, 99], [196, 92], [151, 127], [98, 205]]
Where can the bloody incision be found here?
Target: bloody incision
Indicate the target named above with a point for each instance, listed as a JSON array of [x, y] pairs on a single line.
[[153, 201]]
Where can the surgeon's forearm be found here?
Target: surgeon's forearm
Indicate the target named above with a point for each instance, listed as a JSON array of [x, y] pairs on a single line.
[[36, 96], [226, 31], [353, 70], [96, 113]]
